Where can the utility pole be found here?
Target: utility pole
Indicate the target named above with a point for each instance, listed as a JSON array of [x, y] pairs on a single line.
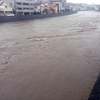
[[40, 7], [15, 6]]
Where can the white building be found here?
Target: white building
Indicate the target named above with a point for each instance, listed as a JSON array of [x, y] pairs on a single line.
[[61, 4], [9, 2], [5, 9], [22, 7]]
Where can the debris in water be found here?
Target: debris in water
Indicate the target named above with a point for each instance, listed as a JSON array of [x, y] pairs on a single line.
[[44, 48], [89, 88], [38, 39], [39, 45], [6, 62], [41, 39]]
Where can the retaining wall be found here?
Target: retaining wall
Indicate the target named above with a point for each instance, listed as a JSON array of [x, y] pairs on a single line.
[[4, 19]]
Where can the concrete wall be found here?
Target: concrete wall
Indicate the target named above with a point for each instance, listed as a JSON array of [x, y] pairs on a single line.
[[5, 19]]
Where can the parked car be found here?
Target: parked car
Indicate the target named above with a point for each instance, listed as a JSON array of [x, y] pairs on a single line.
[[10, 14]]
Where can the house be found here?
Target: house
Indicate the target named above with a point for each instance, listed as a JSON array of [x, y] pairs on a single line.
[[9, 2], [55, 8], [5, 9], [38, 8]]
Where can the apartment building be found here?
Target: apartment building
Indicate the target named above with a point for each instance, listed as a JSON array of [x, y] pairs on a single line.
[[61, 4], [24, 7]]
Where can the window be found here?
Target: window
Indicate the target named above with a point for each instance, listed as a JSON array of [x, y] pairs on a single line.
[[19, 8], [27, 4], [31, 8], [31, 4], [5, 6], [25, 8], [10, 4], [18, 3]]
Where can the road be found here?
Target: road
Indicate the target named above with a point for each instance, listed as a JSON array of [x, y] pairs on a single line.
[[50, 59]]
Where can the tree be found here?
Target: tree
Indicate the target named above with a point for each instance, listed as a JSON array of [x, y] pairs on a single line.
[[14, 12], [45, 10]]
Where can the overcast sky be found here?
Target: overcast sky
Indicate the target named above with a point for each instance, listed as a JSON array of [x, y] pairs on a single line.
[[85, 1]]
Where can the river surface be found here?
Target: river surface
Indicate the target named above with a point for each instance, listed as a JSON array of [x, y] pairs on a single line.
[[50, 59]]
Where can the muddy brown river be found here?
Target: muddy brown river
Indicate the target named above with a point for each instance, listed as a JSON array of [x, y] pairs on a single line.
[[50, 59]]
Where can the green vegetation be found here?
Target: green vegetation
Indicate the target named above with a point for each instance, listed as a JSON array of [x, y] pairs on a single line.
[[14, 12], [45, 10]]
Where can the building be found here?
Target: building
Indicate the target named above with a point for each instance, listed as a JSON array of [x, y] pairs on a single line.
[[81, 6], [97, 7], [61, 4], [9, 2], [38, 8], [5, 9], [24, 7], [29, 7]]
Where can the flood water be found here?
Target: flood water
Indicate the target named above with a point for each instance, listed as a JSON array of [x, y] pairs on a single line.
[[50, 59]]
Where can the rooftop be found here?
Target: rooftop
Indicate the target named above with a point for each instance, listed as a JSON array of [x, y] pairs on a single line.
[[1, 2]]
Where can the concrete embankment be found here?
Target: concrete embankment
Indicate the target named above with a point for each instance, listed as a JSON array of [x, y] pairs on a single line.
[[95, 94], [4, 19], [97, 10]]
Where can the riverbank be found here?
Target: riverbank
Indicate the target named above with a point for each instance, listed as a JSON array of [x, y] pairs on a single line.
[[95, 94], [4, 19], [97, 10]]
